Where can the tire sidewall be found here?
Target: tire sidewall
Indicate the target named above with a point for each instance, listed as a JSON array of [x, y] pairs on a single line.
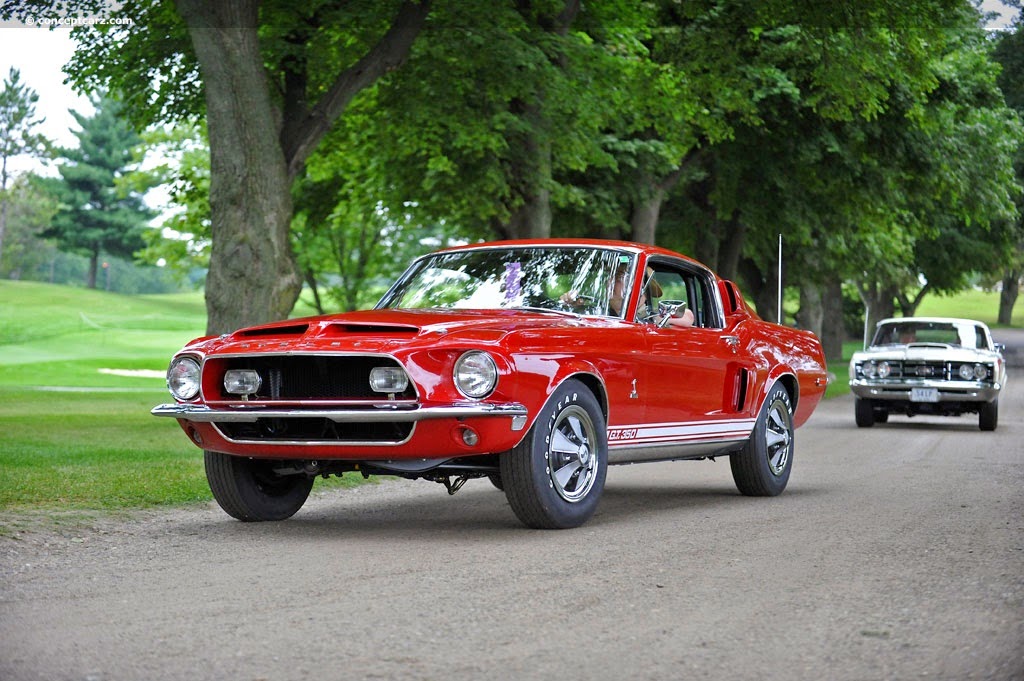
[[547, 508], [235, 483], [751, 470], [776, 482]]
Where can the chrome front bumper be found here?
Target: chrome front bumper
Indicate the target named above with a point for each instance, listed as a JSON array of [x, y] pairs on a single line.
[[949, 391], [203, 414]]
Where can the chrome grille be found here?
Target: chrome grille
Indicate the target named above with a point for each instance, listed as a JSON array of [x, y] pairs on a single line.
[[302, 377]]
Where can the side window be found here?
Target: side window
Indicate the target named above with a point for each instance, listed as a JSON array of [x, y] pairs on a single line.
[[693, 287], [981, 340]]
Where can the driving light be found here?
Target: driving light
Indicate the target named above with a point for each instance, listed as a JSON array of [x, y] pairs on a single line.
[[242, 381], [388, 379], [475, 374], [966, 372], [183, 378], [980, 372]]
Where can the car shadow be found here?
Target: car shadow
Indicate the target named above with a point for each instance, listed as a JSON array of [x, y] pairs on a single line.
[[477, 514]]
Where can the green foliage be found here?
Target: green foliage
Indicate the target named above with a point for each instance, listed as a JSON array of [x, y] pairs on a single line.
[[871, 134], [17, 138], [97, 211]]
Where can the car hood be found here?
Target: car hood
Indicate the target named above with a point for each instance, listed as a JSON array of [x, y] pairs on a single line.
[[921, 351], [386, 330]]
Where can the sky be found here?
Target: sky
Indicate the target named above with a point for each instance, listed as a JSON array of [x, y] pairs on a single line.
[[40, 54]]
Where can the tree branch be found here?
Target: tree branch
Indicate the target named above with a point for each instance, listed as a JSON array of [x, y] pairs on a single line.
[[299, 138]]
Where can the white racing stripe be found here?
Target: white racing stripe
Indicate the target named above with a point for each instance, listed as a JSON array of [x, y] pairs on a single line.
[[666, 433]]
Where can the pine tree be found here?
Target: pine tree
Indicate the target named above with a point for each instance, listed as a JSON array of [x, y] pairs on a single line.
[[98, 213], [17, 120]]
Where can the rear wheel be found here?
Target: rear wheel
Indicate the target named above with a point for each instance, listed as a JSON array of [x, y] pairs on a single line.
[[250, 489], [762, 467], [988, 415], [554, 478], [863, 412]]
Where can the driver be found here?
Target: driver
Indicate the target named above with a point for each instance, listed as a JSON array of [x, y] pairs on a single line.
[[650, 291]]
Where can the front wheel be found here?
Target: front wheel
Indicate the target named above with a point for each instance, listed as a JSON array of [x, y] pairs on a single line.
[[864, 413], [250, 489], [762, 467], [553, 479], [988, 415]]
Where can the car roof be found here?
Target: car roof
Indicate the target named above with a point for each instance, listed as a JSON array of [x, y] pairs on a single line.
[[931, 320], [634, 247]]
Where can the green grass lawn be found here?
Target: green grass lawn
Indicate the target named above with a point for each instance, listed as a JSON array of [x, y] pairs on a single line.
[[76, 436]]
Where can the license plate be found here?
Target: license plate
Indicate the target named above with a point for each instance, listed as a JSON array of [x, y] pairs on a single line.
[[924, 394]]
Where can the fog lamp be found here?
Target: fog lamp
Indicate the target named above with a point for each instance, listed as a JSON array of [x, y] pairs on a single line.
[[470, 437], [388, 379], [242, 381]]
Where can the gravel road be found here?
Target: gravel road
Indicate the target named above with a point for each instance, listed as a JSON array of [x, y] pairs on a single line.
[[896, 553]]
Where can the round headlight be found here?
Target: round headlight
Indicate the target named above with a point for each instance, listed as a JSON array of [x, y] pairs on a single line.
[[871, 370], [884, 370], [183, 378], [980, 372], [966, 372], [475, 374]]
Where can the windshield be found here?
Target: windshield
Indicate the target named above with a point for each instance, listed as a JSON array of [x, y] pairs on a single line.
[[904, 333], [570, 279]]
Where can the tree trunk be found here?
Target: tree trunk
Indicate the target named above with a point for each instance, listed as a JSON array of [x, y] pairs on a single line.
[[645, 217], [253, 277], [811, 315], [3, 206], [833, 331], [646, 211], [880, 303], [908, 306], [760, 288], [730, 248], [1008, 296], [94, 263]]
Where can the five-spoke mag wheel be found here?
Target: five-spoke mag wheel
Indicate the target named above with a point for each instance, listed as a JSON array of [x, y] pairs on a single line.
[[763, 466], [554, 478]]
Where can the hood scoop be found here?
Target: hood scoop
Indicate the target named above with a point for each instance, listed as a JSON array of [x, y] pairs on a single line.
[[273, 331], [356, 328]]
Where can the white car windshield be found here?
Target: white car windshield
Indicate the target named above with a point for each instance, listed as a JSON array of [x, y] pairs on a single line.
[[928, 332], [568, 279]]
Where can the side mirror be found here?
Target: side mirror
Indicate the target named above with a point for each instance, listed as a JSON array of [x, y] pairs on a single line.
[[668, 309], [1000, 347]]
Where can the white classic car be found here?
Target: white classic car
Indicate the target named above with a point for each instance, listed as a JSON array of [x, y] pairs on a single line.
[[928, 365]]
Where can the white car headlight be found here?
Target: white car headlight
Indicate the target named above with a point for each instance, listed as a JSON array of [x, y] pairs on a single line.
[[870, 370], [475, 374], [884, 370], [966, 372], [980, 372], [183, 378]]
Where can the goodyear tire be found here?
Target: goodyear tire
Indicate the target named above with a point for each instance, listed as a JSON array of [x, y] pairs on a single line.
[[554, 478], [762, 467], [250, 490]]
